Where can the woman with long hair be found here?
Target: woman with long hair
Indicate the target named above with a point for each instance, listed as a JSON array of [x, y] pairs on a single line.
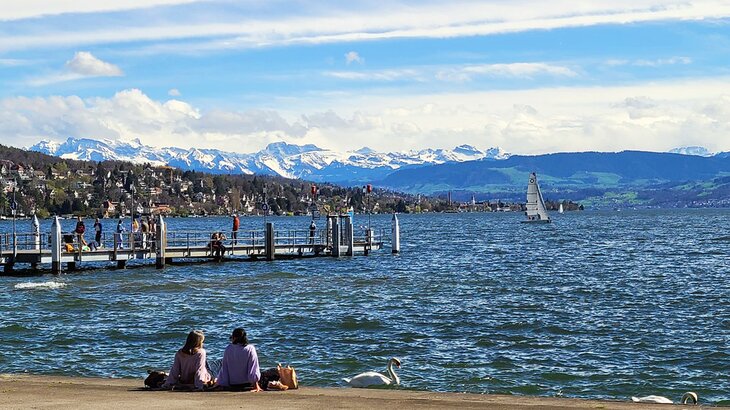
[[240, 365], [188, 367]]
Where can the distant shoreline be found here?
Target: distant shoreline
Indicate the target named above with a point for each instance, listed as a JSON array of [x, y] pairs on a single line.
[[60, 392]]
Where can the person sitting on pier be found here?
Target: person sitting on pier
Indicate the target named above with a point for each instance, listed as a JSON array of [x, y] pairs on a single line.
[[216, 244], [188, 368], [240, 365]]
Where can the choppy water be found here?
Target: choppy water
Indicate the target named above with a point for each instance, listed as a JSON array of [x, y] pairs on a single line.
[[596, 305]]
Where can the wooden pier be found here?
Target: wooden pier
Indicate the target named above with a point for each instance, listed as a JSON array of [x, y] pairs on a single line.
[[56, 248]]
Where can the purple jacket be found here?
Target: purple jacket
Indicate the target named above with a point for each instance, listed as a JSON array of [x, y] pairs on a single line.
[[240, 365]]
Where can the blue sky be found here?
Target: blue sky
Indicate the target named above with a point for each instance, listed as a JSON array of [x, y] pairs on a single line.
[[236, 75]]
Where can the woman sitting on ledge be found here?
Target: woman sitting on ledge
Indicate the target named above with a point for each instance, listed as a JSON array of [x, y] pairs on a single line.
[[240, 366], [188, 368]]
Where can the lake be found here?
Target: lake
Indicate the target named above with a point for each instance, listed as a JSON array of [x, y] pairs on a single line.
[[596, 305]]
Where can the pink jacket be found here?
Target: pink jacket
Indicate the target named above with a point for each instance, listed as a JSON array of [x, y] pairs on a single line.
[[188, 369]]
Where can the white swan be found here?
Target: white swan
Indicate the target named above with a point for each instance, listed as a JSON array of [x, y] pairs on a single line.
[[374, 378], [688, 398]]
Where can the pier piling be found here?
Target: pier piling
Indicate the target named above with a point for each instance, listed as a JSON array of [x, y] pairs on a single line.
[[56, 246], [349, 235], [270, 241], [335, 223], [395, 235]]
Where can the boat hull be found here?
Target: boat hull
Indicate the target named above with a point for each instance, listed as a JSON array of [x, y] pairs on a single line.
[[537, 221]]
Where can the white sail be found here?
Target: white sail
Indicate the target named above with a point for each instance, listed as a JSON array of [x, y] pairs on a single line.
[[560, 210], [536, 211]]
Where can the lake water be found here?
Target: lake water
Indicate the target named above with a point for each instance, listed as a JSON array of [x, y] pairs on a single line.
[[596, 305]]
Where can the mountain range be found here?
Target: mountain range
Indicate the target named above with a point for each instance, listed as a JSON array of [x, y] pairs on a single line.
[[686, 176], [288, 160]]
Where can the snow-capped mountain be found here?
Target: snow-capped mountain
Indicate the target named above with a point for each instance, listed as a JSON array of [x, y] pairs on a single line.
[[692, 150], [279, 158]]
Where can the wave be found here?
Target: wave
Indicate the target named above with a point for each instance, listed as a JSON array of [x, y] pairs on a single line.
[[40, 285]]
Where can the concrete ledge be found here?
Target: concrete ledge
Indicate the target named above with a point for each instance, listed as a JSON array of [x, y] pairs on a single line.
[[53, 392]]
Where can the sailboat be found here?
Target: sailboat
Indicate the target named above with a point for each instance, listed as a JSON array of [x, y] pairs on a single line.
[[536, 211], [560, 209]]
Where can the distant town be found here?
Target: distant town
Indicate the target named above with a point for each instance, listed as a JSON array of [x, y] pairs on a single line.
[[34, 183]]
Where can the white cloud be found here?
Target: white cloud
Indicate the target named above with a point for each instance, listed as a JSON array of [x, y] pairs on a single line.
[[653, 116], [82, 65], [173, 92], [249, 26], [85, 64], [353, 57]]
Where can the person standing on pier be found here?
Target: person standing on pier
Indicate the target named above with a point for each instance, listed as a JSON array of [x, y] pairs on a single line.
[[118, 234], [145, 228], [234, 232], [97, 230], [80, 229], [312, 230]]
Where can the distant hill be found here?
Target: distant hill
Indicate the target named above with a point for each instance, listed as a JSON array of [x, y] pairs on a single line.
[[631, 175]]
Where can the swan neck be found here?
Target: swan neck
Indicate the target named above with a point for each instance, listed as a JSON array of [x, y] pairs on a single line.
[[394, 377]]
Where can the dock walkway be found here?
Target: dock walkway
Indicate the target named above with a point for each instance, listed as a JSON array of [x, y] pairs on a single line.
[[55, 248]]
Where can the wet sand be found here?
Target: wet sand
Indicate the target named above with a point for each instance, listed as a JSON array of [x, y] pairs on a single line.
[[50, 392]]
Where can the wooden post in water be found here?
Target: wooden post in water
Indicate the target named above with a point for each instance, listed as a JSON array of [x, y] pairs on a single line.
[[368, 240], [161, 243], [395, 235], [335, 236], [349, 235], [56, 246], [270, 241]]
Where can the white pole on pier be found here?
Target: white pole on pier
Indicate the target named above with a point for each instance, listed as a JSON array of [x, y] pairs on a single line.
[[56, 246], [36, 233], [395, 234], [161, 243]]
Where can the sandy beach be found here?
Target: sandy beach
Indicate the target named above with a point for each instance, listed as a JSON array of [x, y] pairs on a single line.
[[52, 392]]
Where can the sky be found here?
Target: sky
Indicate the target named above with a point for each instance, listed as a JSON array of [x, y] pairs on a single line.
[[531, 77]]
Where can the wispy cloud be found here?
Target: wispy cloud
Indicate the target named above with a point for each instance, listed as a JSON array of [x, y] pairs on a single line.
[[14, 10], [650, 63], [250, 27], [174, 92], [458, 73], [377, 75], [514, 70], [13, 62]]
